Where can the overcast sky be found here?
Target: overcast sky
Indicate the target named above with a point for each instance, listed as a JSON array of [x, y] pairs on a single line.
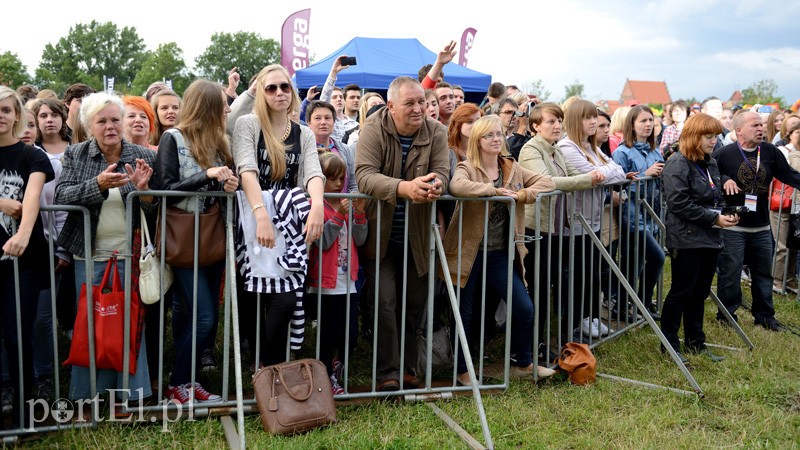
[[699, 47]]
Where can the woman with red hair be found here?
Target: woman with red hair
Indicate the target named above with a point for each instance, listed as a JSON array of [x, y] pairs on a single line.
[[138, 123], [693, 191], [458, 132]]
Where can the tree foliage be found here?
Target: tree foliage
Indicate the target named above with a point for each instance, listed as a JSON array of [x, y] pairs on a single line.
[[12, 72], [573, 90], [165, 63], [763, 92], [90, 51], [246, 50]]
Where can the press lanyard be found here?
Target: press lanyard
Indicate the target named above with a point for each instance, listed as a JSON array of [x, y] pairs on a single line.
[[706, 174], [710, 182], [758, 159]]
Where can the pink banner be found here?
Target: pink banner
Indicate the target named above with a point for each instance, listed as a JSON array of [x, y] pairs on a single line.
[[467, 39], [295, 40]]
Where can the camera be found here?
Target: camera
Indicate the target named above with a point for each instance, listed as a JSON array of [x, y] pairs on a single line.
[[729, 210]]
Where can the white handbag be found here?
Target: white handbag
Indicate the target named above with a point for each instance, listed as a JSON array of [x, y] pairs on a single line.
[[150, 275]]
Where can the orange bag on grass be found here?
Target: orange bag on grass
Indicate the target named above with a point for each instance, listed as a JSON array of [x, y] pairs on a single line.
[[579, 362]]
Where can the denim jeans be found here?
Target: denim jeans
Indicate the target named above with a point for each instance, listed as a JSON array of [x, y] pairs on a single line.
[[209, 280], [521, 304], [43, 336], [755, 249]]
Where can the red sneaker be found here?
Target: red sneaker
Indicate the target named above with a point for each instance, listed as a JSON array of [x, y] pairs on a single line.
[[202, 395], [178, 393]]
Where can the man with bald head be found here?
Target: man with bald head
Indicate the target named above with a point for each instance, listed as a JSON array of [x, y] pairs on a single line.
[[747, 167], [402, 155]]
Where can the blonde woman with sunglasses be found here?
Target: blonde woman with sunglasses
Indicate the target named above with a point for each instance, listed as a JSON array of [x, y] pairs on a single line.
[[272, 152]]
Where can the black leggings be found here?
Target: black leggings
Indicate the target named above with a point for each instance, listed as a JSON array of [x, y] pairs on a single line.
[[276, 312]]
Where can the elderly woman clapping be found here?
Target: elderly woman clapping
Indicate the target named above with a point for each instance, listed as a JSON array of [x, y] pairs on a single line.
[[99, 174]]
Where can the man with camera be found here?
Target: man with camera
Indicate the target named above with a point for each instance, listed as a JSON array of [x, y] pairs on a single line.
[[747, 168], [402, 155], [515, 125]]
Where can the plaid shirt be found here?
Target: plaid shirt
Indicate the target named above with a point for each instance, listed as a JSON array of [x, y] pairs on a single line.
[[670, 136], [342, 126], [78, 186]]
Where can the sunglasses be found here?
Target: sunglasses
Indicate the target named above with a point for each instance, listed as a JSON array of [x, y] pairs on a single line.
[[273, 88]]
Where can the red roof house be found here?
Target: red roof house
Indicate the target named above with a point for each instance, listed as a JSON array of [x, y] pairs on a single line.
[[645, 92]]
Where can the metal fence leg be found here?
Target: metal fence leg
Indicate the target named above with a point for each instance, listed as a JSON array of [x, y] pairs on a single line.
[[476, 393], [733, 323], [642, 309]]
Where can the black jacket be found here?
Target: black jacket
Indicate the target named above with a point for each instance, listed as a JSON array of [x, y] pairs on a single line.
[[167, 176], [690, 199], [515, 143]]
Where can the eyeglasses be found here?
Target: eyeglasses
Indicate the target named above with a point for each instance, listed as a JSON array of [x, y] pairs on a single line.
[[507, 113], [273, 88], [490, 136]]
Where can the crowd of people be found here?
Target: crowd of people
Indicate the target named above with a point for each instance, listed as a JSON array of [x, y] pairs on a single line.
[[711, 168]]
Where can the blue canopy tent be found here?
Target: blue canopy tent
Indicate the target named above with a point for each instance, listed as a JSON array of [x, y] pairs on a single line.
[[379, 61]]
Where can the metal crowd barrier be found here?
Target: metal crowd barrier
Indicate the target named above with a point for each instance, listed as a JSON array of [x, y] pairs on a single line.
[[784, 259], [643, 195], [602, 267], [580, 247], [230, 328], [36, 415]]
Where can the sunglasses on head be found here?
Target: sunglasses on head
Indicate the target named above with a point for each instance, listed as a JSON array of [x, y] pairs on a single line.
[[273, 88]]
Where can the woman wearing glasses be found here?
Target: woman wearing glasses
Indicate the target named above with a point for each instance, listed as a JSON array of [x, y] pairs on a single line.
[[489, 171], [272, 152]]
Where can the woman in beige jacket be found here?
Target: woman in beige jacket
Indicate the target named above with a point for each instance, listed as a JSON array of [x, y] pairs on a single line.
[[541, 155], [484, 241]]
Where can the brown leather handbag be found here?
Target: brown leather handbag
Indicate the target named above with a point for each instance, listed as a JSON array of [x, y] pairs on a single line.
[[294, 396], [179, 243], [579, 362]]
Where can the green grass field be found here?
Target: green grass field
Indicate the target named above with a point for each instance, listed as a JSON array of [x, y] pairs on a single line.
[[752, 400]]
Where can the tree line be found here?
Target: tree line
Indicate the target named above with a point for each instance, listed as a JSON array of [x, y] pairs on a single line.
[[90, 51]]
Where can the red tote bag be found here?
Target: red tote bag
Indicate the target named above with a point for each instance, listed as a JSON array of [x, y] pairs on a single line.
[[109, 325]]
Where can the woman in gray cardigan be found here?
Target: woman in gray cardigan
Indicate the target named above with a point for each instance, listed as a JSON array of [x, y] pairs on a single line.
[[272, 152]]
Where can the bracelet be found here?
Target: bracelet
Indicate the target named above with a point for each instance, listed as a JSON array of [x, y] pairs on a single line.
[[254, 208]]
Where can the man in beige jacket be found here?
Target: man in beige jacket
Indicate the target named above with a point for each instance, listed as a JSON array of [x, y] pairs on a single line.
[[402, 155]]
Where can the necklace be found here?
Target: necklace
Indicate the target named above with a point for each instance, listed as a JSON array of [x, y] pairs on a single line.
[[288, 129]]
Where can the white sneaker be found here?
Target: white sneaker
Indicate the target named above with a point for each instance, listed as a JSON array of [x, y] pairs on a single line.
[[604, 330], [589, 328]]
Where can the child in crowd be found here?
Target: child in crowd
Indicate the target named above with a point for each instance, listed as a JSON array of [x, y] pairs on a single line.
[[339, 262]]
